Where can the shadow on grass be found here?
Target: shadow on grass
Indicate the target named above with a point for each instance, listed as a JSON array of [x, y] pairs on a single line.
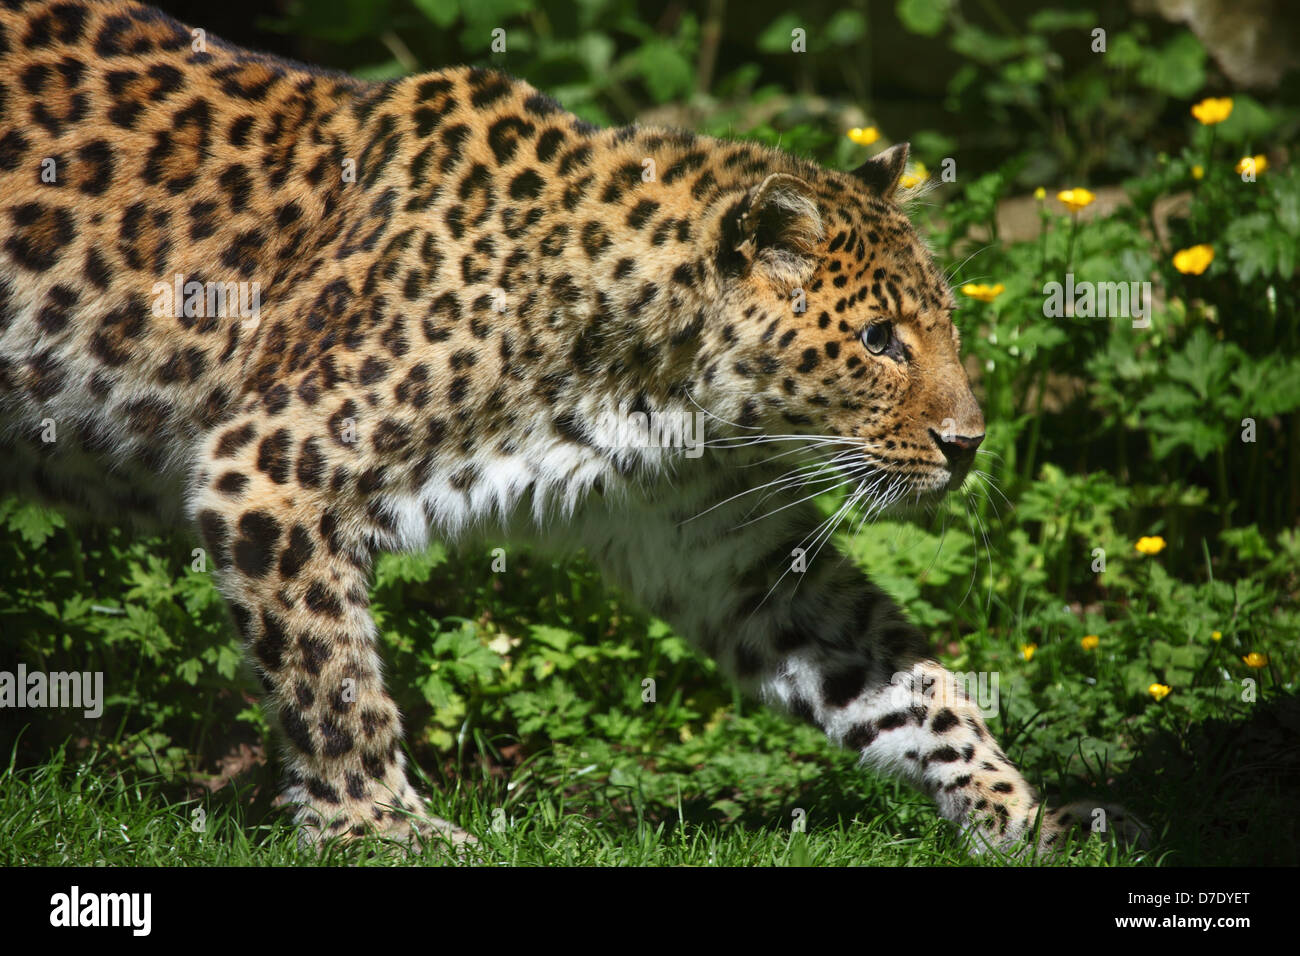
[[1216, 793], [1222, 793]]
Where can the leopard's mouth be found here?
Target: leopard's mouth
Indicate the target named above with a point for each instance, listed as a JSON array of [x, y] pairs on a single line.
[[892, 490], [910, 489]]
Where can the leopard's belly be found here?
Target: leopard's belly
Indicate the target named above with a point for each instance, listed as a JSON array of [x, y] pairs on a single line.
[[76, 450]]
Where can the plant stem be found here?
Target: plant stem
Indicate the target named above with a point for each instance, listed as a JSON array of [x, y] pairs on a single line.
[[1069, 250]]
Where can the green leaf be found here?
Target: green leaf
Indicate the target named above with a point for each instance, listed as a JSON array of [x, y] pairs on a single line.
[[776, 38], [35, 524], [984, 47], [666, 71], [1178, 69], [380, 72], [925, 17], [1253, 246], [189, 670], [846, 27], [1052, 21], [556, 637], [409, 566], [436, 691], [444, 13], [1286, 199], [1250, 121], [1125, 51]]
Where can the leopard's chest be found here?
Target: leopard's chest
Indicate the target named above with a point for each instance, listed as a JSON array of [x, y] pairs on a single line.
[[540, 484]]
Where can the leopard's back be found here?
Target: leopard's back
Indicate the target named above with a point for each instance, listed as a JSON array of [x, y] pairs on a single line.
[[134, 151], [450, 262]]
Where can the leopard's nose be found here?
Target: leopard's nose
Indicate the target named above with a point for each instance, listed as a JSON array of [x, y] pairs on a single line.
[[959, 450]]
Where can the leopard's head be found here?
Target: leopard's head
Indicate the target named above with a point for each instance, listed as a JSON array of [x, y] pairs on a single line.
[[840, 329]]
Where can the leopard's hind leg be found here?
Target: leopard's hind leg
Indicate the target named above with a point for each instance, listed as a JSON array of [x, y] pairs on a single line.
[[295, 572]]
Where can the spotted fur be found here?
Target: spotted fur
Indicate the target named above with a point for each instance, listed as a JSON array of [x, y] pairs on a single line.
[[458, 281]]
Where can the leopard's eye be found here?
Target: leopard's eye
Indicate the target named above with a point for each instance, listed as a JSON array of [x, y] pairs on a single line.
[[876, 337]]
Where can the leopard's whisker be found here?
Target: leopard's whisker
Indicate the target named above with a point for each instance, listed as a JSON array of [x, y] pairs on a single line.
[[719, 417], [951, 276], [779, 481], [730, 442], [851, 450], [801, 477], [829, 532], [876, 503], [842, 480], [815, 534], [989, 484], [988, 552]]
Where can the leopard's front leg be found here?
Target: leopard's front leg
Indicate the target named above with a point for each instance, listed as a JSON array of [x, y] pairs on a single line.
[[866, 682], [920, 726], [824, 644], [295, 573], [853, 666], [869, 685]]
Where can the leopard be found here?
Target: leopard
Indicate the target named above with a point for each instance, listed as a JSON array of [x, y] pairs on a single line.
[[313, 319]]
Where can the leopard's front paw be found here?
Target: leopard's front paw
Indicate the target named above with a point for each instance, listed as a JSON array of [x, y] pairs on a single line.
[[1087, 817]]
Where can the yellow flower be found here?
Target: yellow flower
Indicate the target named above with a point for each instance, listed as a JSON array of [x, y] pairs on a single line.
[[864, 136], [1216, 635], [985, 293], [1213, 110], [1159, 691], [1254, 164], [1028, 651], [1151, 545], [1040, 193], [1198, 171], [1256, 660], [919, 174], [1075, 199], [1090, 642], [1195, 260]]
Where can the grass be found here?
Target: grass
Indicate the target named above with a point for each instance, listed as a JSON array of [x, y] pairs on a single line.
[[79, 814]]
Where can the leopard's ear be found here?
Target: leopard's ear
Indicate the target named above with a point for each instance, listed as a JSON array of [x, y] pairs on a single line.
[[882, 172], [778, 228]]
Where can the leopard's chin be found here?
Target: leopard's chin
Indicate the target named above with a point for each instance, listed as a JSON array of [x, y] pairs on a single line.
[[927, 490], [956, 478], [916, 494]]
